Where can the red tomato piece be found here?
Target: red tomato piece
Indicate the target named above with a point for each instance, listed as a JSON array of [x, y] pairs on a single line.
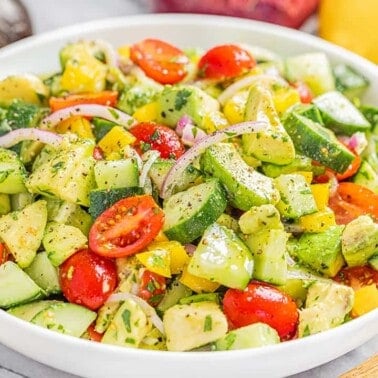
[[108, 98], [160, 60], [261, 302], [351, 170], [304, 91], [98, 154], [126, 227], [93, 334], [152, 287], [151, 136], [357, 276], [4, 253], [344, 211], [225, 61], [87, 279]]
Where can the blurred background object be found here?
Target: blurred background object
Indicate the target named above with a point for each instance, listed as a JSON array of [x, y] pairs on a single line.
[[291, 13], [14, 22], [351, 24]]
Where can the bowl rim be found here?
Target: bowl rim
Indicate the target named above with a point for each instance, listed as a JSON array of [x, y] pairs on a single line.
[[313, 42]]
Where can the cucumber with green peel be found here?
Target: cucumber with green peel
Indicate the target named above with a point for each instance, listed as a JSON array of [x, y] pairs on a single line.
[[312, 68], [203, 297], [22, 231], [315, 141], [12, 173], [16, 287], [296, 198], [44, 274], [5, 204], [373, 262], [61, 241], [111, 174], [251, 336], [102, 199], [309, 111], [175, 293], [29, 310], [349, 82], [221, 256], [268, 248], [101, 127], [67, 318], [366, 176], [189, 213], [340, 115], [244, 185], [370, 112], [20, 200]]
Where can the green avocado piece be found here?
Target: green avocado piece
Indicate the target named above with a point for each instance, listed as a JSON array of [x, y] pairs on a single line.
[[319, 251], [245, 186], [178, 100], [359, 240]]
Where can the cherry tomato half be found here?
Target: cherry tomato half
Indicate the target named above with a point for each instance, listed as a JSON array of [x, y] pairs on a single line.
[[152, 287], [87, 279], [357, 276], [159, 60], [4, 253], [151, 136], [126, 227], [225, 61], [261, 302], [304, 92], [93, 334]]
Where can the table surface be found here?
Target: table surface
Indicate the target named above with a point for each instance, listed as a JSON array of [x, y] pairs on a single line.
[[47, 15]]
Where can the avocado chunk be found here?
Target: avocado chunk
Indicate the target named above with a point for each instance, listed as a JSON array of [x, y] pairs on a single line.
[[319, 251], [251, 336], [327, 305], [359, 240], [27, 88], [22, 231], [317, 142], [272, 145], [178, 100], [245, 186], [222, 257], [340, 115], [296, 198], [192, 325]]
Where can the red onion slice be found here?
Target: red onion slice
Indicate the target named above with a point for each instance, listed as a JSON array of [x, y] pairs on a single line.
[[177, 170], [181, 123], [150, 158], [89, 110], [148, 310], [192, 134], [111, 56], [13, 137]]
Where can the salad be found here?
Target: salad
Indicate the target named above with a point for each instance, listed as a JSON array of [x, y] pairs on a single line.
[[159, 198]]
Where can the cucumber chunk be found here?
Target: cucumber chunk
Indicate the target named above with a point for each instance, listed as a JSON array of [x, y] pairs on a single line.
[[340, 115], [67, 318], [12, 173], [189, 213], [367, 176], [16, 287], [44, 274], [251, 336], [315, 141], [245, 186], [29, 310], [222, 257], [22, 231], [61, 241], [349, 82]]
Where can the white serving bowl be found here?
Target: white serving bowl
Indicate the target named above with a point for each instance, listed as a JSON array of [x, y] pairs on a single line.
[[40, 55]]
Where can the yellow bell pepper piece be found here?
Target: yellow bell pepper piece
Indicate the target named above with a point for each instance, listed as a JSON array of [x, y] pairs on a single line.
[[285, 97], [157, 261], [319, 221], [116, 140], [321, 195], [365, 300], [235, 107], [86, 74], [147, 113], [124, 51], [307, 175], [161, 237], [78, 125], [178, 256], [197, 284], [214, 121]]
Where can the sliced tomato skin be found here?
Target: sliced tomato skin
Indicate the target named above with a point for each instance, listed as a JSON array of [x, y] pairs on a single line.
[[108, 98], [160, 60], [357, 277], [93, 334], [157, 137], [261, 302], [152, 287], [87, 279], [225, 61], [126, 227]]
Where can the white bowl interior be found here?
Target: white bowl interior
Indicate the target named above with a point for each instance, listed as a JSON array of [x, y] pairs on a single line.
[[40, 55]]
